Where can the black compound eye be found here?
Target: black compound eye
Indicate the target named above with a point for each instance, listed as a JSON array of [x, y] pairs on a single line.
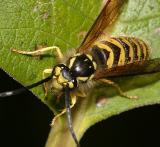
[[67, 74], [57, 69]]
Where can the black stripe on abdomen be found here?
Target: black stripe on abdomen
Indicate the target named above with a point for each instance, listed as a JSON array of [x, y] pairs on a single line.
[[116, 51], [134, 47], [126, 49]]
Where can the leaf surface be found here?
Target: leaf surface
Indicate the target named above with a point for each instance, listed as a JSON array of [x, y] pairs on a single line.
[[27, 24]]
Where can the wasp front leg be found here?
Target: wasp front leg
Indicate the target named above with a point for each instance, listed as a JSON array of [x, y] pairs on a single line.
[[46, 73], [115, 85], [42, 51], [73, 102]]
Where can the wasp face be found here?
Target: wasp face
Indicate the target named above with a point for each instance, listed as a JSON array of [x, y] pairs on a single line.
[[63, 76]]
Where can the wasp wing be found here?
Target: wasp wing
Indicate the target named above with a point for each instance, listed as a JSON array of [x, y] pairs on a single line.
[[107, 16], [137, 68]]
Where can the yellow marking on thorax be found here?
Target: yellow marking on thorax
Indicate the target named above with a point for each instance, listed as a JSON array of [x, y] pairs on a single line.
[[110, 59], [95, 65], [122, 51], [82, 79], [89, 56], [71, 61], [138, 48], [131, 54], [91, 76]]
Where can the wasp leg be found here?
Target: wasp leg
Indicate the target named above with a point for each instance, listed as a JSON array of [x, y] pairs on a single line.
[[81, 94], [73, 101], [118, 88], [41, 51], [46, 72]]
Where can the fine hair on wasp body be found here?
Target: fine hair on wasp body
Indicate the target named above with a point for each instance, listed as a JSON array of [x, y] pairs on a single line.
[[93, 61]]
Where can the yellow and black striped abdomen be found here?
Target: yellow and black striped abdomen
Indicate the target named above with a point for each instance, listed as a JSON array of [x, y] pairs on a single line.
[[118, 51]]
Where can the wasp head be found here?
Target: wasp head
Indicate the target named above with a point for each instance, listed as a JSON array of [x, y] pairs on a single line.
[[62, 76]]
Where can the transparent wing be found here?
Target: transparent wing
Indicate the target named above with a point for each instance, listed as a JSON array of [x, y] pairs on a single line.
[[137, 68], [107, 16]]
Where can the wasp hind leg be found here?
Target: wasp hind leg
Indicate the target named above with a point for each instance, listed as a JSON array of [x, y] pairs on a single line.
[[73, 102], [42, 51], [109, 82]]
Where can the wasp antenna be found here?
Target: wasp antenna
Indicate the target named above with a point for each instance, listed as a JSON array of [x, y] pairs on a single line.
[[69, 115], [23, 89], [39, 82], [11, 93]]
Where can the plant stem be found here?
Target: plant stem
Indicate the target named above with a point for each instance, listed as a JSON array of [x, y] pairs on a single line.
[[59, 134]]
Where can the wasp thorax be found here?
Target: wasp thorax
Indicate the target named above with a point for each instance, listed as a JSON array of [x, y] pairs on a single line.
[[82, 66], [63, 76]]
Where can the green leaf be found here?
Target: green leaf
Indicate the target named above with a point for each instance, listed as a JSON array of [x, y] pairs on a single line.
[[26, 24]]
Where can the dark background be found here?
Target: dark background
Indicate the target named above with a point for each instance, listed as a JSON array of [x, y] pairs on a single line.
[[24, 122]]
